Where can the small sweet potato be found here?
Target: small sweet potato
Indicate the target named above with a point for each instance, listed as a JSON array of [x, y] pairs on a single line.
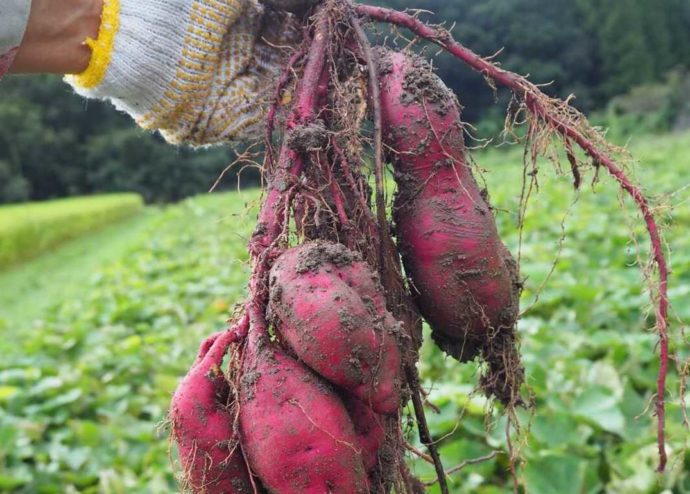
[[327, 305], [202, 415]]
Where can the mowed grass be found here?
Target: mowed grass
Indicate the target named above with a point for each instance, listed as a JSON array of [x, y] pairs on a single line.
[[84, 385], [27, 230]]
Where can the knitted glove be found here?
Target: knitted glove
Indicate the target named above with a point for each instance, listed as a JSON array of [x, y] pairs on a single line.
[[199, 71]]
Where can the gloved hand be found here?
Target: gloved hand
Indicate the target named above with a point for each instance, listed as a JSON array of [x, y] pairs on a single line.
[[199, 71]]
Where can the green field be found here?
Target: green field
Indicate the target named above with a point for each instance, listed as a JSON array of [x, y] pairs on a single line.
[[96, 334]]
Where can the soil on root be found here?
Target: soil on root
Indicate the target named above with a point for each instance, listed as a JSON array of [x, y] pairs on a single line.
[[322, 253], [310, 137]]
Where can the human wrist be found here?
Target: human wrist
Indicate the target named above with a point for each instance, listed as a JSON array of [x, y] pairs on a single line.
[[55, 36]]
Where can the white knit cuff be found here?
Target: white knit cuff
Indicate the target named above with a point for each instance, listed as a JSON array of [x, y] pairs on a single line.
[[164, 61]]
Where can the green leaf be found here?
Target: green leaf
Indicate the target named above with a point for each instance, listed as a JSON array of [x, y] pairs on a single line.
[[561, 474], [596, 405], [559, 430]]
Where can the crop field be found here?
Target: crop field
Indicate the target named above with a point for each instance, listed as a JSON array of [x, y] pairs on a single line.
[[95, 335]]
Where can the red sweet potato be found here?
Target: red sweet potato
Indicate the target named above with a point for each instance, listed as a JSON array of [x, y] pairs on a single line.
[[202, 416], [464, 277], [295, 430], [328, 307]]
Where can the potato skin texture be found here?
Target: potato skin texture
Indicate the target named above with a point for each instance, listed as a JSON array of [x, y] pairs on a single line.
[[369, 430], [328, 307], [296, 432], [464, 279]]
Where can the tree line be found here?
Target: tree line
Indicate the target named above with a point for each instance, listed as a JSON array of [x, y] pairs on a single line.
[[55, 144]]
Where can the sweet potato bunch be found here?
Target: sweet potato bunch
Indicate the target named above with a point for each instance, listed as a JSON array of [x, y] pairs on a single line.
[[312, 397], [306, 392]]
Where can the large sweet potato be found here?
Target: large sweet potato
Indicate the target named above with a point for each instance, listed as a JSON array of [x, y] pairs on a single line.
[[464, 279], [328, 307]]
